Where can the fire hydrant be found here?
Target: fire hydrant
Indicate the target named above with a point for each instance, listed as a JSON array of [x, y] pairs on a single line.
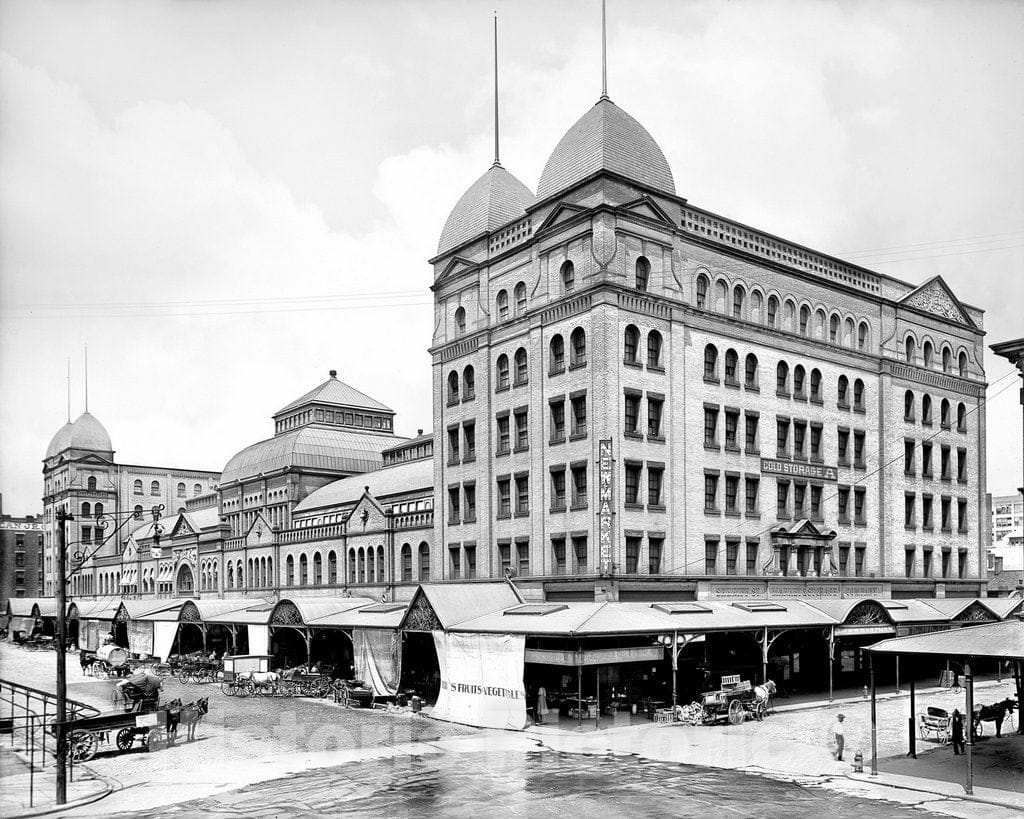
[[865, 692], [858, 762]]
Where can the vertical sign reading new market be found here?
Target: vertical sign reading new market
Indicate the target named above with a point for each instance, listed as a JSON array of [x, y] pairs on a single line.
[[604, 505]]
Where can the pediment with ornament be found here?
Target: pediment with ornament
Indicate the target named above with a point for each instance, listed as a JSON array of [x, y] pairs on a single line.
[[646, 207], [182, 527], [563, 212], [935, 297], [260, 533], [368, 516], [456, 266]]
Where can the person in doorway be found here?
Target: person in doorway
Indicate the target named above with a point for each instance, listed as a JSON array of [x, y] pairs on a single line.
[[839, 736], [957, 732], [542, 704]]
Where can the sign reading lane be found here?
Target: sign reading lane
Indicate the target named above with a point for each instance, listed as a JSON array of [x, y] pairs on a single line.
[[789, 469]]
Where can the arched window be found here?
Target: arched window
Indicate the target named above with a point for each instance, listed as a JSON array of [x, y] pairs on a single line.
[[721, 297], [250, 572], [216, 577], [380, 564], [731, 362], [318, 570], [710, 363], [654, 350], [86, 509], [643, 273], [961, 418], [862, 336], [910, 349], [520, 293], [750, 372], [501, 305], [91, 483], [154, 488], [468, 383], [181, 489], [702, 291], [262, 565], [303, 570], [371, 569], [502, 372], [522, 374], [557, 354], [138, 511], [926, 410], [833, 329], [197, 489], [231, 574], [944, 419], [460, 322], [782, 378], [137, 487], [962, 364], [738, 298], [798, 381], [406, 562], [361, 570], [578, 343], [424, 561], [805, 319], [929, 353], [773, 312], [816, 385], [842, 392], [630, 343], [97, 510], [239, 578], [756, 303], [908, 405], [332, 567], [453, 387], [568, 274], [352, 577], [947, 359], [819, 323], [858, 395]]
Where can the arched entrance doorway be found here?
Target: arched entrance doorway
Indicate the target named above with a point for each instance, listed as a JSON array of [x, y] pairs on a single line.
[[185, 583], [289, 637]]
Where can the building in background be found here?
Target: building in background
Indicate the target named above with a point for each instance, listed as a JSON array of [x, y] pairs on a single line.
[[1007, 515], [21, 556]]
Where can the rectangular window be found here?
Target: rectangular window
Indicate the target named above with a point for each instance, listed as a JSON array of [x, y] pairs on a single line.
[[456, 563], [816, 503], [453, 445], [909, 511], [469, 437], [782, 499], [522, 495], [710, 493], [558, 489], [816, 442], [732, 420], [909, 448], [926, 459], [927, 561], [504, 497], [504, 444], [453, 504], [523, 557], [654, 476], [579, 551], [799, 435], [782, 438], [858, 561], [632, 554], [558, 554], [655, 545], [844, 559], [751, 441], [579, 416], [732, 551], [469, 492], [710, 555], [732, 486], [926, 512], [505, 556], [946, 556], [632, 484], [86, 534], [962, 564], [961, 515], [469, 550], [751, 556], [961, 465], [753, 489], [799, 496], [654, 408], [843, 441], [858, 449], [557, 409], [579, 487], [522, 431], [860, 506], [945, 463], [711, 427], [632, 414], [947, 515]]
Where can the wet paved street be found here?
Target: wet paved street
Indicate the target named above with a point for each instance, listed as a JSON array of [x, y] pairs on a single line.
[[534, 784]]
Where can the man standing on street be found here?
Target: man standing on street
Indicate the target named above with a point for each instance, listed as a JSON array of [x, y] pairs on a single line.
[[840, 736], [957, 729]]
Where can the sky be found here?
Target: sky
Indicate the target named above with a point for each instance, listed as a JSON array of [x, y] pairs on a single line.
[[226, 199]]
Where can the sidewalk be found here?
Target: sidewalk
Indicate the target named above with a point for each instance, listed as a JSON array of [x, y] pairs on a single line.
[[25, 794]]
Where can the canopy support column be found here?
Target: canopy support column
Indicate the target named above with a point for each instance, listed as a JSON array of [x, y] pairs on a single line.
[[969, 685], [764, 655], [831, 660], [874, 718], [675, 667], [1020, 695], [910, 721]]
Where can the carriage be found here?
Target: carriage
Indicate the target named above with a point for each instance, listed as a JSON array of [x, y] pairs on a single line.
[[107, 661], [935, 725], [736, 701], [85, 736]]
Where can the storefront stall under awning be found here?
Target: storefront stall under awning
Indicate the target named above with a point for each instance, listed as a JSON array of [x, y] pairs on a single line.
[[376, 641]]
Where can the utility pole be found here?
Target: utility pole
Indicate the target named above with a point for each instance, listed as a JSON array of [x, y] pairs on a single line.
[[62, 682]]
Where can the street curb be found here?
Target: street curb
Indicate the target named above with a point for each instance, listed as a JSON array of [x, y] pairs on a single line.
[[963, 797], [110, 787]]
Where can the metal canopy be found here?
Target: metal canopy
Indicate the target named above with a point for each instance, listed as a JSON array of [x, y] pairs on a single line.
[[1004, 641]]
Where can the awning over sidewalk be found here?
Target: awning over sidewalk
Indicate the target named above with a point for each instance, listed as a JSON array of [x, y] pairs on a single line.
[[1003, 641], [94, 609], [32, 607]]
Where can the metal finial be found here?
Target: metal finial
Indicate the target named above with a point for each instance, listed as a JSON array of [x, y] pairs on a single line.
[[497, 154], [86, 377], [604, 51]]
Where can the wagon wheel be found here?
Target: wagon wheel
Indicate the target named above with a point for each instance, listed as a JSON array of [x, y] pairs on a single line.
[[82, 745], [228, 688], [760, 710], [183, 676], [156, 739], [125, 739], [323, 687], [249, 690], [979, 729], [735, 712], [162, 669]]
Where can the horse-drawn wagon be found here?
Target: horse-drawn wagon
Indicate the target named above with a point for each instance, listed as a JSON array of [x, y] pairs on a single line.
[[736, 701], [85, 736]]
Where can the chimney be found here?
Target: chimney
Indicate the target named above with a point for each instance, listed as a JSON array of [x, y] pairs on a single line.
[[333, 373]]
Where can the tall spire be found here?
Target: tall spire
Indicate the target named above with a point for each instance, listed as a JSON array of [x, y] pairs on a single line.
[[86, 377], [604, 52], [497, 154], [69, 390]]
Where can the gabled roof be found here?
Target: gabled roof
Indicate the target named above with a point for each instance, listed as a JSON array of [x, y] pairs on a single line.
[[411, 476], [339, 394], [953, 607], [455, 603], [935, 297]]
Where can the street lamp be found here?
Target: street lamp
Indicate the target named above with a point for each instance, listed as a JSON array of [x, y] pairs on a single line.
[[104, 521], [675, 642]]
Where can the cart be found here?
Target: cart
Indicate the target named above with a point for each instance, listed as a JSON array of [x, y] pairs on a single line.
[[85, 736], [735, 702], [353, 693], [935, 725]]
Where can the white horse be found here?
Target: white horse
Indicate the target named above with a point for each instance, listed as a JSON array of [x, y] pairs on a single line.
[[764, 693], [267, 680]]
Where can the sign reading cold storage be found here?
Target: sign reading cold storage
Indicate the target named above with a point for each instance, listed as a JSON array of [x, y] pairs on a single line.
[[791, 469]]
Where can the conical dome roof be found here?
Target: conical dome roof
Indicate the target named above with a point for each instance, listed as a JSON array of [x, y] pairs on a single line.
[[88, 433], [495, 199], [606, 138], [59, 442]]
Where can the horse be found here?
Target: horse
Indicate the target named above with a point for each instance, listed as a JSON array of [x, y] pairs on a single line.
[[188, 715], [764, 693], [261, 679], [994, 713], [88, 660]]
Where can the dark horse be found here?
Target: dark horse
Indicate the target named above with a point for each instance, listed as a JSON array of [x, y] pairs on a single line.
[[187, 715], [995, 713]]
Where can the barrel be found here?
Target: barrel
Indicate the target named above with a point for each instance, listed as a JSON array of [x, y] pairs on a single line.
[[115, 655]]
